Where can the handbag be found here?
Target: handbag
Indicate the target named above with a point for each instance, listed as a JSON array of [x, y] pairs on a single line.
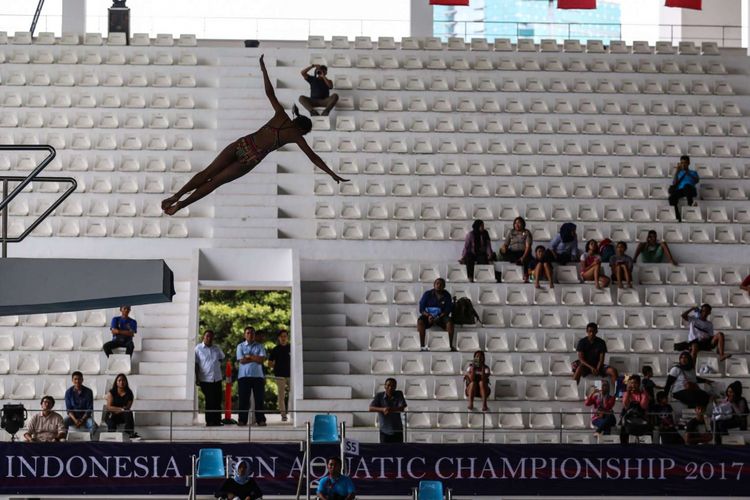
[[723, 411], [634, 422]]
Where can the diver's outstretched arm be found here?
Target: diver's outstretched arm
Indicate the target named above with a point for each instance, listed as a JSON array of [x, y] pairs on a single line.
[[317, 160], [277, 107]]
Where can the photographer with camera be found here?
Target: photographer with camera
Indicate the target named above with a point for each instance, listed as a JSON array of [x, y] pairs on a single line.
[[320, 91]]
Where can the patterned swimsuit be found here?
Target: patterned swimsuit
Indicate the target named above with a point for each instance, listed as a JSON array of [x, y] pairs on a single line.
[[247, 151]]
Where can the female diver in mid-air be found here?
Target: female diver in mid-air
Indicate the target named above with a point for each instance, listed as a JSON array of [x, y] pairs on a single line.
[[241, 156]]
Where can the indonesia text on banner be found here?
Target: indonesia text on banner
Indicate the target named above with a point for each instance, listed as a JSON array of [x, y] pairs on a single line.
[[685, 4], [576, 4], [449, 2]]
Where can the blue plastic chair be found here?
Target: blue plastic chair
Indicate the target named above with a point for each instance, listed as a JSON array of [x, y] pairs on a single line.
[[325, 429], [210, 463], [430, 490]]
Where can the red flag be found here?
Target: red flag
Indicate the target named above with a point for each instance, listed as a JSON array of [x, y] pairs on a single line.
[[576, 4], [685, 4], [449, 2]]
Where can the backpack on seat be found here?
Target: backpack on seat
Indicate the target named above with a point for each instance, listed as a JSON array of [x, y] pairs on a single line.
[[464, 312], [635, 423]]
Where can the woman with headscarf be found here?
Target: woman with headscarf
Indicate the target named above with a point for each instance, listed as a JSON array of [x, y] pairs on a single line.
[[683, 382], [477, 248], [240, 485], [733, 411], [564, 246], [602, 402]]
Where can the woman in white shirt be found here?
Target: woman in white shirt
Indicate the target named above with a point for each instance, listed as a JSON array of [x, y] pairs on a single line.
[[683, 382]]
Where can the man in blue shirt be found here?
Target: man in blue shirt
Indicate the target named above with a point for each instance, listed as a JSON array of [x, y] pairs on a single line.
[[123, 329], [79, 403], [435, 308], [251, 354], [335, 485], [683, 185]]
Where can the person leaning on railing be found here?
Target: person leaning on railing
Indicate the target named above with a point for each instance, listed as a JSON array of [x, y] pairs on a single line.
[[389, 405]]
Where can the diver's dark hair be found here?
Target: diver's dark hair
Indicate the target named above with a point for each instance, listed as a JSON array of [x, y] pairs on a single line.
[[303, 123]]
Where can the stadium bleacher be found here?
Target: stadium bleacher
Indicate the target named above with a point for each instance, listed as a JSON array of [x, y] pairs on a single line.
[[432, 135]]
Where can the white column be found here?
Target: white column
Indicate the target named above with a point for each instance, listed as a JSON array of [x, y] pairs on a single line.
[[421, 18], [74, 16], [745, 16]]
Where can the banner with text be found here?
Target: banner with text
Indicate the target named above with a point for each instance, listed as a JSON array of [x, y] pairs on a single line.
[[388, 469]]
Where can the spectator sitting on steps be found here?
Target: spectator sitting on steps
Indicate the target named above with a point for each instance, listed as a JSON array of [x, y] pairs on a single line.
[[684, 383], [435, 308], [123, 329], [701, 336], [79, 403], [591, 350], [602, 402], [477, 248], [47, 425], [652, 251], [517, 246], [477, 380], [683, 185], [320, 90], [699, 428]]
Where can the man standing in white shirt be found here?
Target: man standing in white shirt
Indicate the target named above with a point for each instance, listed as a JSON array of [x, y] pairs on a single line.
[[208, 375]]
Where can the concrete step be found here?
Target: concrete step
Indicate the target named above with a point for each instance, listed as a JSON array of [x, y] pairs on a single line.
[[249, 189], [320, 367], [165, 319], [164, 356], [169, 345], [245, 212], [309, 297], [166, 333], [243, 223], [167, 380], [161, 392], [267, 233], [327, 392], [326, 345], [322, 308], [323, 319], [162, 368]]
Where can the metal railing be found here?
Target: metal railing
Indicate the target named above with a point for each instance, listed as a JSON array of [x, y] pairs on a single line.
[[723, 35], [296, 28], [481, 433], [22, 183]]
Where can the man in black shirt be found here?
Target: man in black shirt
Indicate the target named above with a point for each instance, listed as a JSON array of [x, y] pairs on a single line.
[[591, 350], [320, 87], [280, 362], [389, 405]]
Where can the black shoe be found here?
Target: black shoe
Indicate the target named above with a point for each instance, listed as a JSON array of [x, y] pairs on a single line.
[[261, 424], [135, 436]]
